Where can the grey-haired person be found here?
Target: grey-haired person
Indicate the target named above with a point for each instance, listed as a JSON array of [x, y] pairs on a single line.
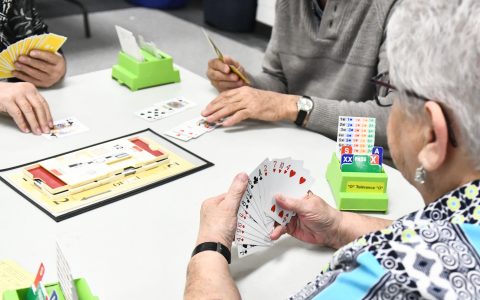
[[434, 253]]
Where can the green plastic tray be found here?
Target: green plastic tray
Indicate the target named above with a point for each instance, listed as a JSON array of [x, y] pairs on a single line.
[[357, 191]]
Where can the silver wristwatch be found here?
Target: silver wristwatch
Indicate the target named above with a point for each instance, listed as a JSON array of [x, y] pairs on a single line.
[[304, 106]]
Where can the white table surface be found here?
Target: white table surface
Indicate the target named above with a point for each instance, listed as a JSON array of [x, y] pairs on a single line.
[[139, 247]]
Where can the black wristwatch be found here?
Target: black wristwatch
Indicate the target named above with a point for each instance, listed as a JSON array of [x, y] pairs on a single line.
[[212, 246], [304, 106]]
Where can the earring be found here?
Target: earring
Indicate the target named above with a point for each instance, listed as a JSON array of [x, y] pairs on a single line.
[[420, 175]]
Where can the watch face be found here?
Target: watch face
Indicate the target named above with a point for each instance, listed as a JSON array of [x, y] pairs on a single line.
[[305, 104]]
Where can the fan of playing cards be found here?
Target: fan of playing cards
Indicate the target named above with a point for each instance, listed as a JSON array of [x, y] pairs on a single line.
[[47, 42], [258, 209]]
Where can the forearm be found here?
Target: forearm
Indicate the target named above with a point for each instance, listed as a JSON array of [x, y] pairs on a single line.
[[208, 277], [353, 225]]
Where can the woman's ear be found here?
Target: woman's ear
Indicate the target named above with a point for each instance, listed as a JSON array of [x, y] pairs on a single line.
[[433, 153]]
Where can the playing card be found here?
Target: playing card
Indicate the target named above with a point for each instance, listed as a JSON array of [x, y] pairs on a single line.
[[66, 127], [245, 249], [152, 113], [193, 129], [258, 211], [178, 135], [291, 181], [51, 42], [164, 109]]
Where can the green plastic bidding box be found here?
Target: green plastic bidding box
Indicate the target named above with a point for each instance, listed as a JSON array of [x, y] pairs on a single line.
[[357, 191], [81, 285], [152, 71]]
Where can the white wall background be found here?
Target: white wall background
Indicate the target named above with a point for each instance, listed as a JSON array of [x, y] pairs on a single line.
[[266, 11]]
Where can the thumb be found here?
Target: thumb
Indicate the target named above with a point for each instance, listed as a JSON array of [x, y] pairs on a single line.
[[236, 190], [288, 203]]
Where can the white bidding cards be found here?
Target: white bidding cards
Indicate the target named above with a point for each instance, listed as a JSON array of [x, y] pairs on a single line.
[[259, 210], [358, 132]]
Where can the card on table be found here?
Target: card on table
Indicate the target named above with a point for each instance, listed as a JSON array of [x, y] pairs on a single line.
[[66, 127], [258, 212], [191, 129], [164, 109]]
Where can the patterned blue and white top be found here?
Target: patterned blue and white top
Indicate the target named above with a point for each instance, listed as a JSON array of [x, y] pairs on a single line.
[[433, 253]]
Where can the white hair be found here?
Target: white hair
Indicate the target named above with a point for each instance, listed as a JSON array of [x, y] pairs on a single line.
[[433, 47]]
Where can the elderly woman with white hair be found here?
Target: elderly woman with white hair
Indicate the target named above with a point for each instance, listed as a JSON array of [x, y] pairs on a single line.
[[434, 52]]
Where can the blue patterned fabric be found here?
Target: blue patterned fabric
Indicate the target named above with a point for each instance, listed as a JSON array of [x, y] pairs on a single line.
[[429, 254]]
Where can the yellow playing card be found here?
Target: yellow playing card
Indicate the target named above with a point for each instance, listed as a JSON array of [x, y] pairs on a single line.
[[51, 42]]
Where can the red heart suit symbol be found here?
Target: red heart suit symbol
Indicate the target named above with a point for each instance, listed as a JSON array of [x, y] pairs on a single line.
[[292, 173], [302, 180]]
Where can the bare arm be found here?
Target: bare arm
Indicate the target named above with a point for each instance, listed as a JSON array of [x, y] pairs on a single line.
[[208, 277], [354, 225]]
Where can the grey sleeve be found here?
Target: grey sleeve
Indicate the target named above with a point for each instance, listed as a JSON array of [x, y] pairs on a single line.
[[272, 77], [325, 113]]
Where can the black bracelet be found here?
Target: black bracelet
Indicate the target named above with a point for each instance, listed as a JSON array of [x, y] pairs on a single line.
[[212, 246]]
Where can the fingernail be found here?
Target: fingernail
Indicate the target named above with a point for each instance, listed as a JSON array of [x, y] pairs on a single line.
[[33, 53], [37, 130], [18, 66], [26, 130], [46, 129], [50, 124], [22, 59]]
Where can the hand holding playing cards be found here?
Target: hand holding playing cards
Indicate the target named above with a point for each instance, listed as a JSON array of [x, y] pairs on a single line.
[[42, 68], [218, 215], [315, 221], [26, 106], [222, 77], [249, 103]]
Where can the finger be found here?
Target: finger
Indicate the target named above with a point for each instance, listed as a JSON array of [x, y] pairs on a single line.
[[47, 110], [278, 232], [25, 77], [288, 203], [236, 190], [29, 115], [14, 111], [49, 57], [236, 118], [32, 72], [225, 111], [217, 64], [35, 63], [214, 105], [215, 75], [39, 110]]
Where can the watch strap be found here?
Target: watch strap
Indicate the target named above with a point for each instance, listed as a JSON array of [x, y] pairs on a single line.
[[212, 246]]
